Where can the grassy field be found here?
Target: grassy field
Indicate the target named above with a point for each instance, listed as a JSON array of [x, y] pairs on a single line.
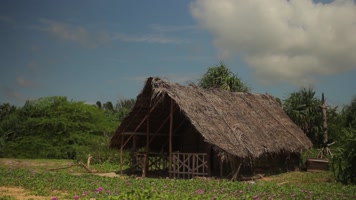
[[32, 179]]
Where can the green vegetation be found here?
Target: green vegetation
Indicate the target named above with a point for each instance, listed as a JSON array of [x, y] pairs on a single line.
[[65, 184], [304, 109], [344, 163], [55, 128], [221, 77]]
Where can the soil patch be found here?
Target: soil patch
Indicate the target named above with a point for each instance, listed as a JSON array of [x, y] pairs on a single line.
[[29, 163], [19, 193]]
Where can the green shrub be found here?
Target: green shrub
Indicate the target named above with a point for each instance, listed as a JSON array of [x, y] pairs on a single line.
[[344, 162]]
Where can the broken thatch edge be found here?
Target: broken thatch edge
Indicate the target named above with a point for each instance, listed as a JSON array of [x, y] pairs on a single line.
[[242, 139]]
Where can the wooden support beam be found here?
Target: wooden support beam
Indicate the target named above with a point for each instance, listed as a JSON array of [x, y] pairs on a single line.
[[149, 112], [144, 134], [133, 150], [128, 125], [180, 124], [170, 138], [121, 148], [162, 124], [123, 145], [147, 149]]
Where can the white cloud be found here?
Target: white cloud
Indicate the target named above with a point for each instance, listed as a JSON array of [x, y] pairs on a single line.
[[295, 40]]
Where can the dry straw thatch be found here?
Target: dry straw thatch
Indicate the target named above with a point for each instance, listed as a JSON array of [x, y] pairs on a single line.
[[245, 125]]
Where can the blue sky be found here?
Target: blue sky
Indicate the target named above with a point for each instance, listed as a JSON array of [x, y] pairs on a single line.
[[104, 50]]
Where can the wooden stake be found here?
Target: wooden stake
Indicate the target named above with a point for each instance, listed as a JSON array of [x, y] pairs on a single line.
[[88, 160]]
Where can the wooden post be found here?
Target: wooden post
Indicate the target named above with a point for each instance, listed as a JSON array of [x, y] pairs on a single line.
[[325, 125], [133, 151], [170, 139], [122, 140], [325, 149], [147, 151], [221, 168]]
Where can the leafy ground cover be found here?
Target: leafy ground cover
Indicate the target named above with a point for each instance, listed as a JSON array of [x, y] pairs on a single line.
[[70, 183]]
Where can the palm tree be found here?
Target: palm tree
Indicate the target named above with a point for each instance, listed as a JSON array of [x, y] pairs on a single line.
[[304, 110]]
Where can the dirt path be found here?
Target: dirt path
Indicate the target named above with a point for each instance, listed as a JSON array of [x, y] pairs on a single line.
[[19, 193]]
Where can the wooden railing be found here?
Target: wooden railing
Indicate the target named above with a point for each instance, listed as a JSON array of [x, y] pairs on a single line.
[[155, 161], [188, 165]]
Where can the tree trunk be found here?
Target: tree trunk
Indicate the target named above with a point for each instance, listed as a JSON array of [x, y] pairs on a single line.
[[325, 125]]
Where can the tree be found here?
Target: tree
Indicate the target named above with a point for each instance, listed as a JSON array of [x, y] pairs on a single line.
[[98, 104], [6, 109], [108, 106], [123, 107], [53, 127], [221, 77], [349, 113], [8, 120], [304, 110], [344, 162]]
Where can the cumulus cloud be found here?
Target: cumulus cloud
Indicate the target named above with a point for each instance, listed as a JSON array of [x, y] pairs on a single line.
[[294, 40]]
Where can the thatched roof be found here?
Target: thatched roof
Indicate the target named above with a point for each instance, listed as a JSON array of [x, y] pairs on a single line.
[[243, 124]]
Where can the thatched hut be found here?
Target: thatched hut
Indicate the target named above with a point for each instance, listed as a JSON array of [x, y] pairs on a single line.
[[191, 131]]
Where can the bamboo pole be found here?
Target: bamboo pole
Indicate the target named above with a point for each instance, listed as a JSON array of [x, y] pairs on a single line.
[[170, 138]]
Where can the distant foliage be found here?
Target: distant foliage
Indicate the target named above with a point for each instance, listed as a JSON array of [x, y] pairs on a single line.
[[221, 77], [120, 110], [53, 127], [124, 106]]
